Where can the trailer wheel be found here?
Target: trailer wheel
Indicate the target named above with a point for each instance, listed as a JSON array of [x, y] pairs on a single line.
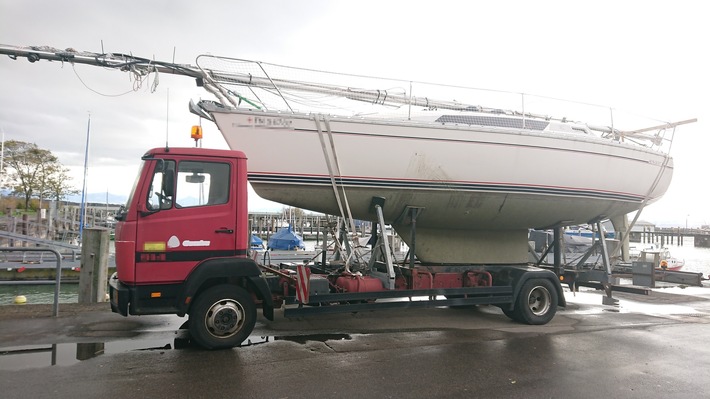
[[222, 317], [537, 302]]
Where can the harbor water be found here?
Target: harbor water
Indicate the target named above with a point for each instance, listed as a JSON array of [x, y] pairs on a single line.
[[697, 260], [38, 293]]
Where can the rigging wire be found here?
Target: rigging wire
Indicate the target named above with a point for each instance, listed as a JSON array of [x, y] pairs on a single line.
[[136, 77]]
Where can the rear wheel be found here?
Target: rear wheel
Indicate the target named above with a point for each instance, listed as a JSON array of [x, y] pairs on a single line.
[[222, 317], [536, 303]]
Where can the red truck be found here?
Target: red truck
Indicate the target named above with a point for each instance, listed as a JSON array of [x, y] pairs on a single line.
[[182, 247]]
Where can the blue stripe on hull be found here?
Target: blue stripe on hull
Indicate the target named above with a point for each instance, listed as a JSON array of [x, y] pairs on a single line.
[[430, 185]]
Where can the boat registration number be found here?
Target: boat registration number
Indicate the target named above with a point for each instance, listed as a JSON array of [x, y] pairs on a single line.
[[266, 121]]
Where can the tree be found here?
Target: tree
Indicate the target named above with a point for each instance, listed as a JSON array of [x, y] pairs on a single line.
[[32, 169], [57, 185]]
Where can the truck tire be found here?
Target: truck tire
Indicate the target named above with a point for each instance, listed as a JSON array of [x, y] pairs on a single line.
[[536, 303], [512, 314], [222, 317]]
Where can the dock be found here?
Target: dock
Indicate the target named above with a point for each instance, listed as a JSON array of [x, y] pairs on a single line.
[[672, 235]]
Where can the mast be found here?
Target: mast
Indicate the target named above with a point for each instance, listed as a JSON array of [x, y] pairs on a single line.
[[2, 157], [82, 212]]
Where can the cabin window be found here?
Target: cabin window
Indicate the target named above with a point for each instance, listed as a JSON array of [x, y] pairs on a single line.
[[202, 183]]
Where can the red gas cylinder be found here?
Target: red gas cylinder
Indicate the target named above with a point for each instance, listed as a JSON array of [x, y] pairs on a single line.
[[359, 283]]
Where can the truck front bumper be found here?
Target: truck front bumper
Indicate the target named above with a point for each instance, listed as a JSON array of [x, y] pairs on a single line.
[[119, 295]]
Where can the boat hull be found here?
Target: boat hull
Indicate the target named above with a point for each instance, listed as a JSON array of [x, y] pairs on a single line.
[[467, 178]]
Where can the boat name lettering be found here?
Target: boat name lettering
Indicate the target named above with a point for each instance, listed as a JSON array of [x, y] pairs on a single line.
[[266, 121]]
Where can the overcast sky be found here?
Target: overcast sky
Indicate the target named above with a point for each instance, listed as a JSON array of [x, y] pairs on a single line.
[[646, 57]]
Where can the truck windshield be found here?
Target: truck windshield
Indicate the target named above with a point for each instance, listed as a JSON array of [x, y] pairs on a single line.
[[121, 213]]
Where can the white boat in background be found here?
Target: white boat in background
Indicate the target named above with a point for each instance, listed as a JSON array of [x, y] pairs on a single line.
[[649, 252], [474, 178]]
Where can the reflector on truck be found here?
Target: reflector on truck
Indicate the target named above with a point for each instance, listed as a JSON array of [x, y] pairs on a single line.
[[153, 246]]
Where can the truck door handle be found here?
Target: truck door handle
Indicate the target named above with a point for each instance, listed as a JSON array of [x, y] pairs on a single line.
[[224, 230]]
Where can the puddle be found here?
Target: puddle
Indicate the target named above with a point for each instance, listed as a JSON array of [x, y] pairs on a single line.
[[39, 356], [299, 339]]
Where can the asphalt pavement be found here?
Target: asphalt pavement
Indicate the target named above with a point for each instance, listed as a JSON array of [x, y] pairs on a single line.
[[647, 346]]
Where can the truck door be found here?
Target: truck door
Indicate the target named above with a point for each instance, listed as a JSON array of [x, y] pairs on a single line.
[[191, 216]]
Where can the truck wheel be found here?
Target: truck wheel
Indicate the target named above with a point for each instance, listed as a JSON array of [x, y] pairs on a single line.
[[222, 317], [537, 302], [512, 314]]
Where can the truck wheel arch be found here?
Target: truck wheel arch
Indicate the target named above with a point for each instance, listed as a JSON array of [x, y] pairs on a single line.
[[239, 271]]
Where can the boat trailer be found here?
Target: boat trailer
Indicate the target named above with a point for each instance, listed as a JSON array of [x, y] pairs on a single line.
[[607, 276]]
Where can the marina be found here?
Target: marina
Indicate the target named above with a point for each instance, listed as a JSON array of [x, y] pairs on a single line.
[[468, 230], [421, 152]]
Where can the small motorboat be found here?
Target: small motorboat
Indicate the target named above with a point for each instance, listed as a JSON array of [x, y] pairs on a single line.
[[648, 252]]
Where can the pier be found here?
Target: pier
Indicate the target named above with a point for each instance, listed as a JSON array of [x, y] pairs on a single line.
[[672, 235], [310, 226]]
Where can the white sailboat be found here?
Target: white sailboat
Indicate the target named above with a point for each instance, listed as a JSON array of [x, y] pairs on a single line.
[[478, 176], [473, 178]]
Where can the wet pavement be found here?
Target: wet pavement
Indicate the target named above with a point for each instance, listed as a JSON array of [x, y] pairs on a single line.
[[647, 346]]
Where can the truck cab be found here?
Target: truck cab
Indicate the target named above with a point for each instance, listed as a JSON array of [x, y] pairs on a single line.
[[183, 230]]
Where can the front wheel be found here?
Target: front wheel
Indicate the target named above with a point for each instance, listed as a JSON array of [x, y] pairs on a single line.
[[536, 303], [222, 317], [512, 314]]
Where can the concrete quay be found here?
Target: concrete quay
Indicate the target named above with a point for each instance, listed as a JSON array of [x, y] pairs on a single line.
[[647, 346]]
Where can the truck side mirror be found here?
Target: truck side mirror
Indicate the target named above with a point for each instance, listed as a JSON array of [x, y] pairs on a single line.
[[161, 194], [168, 183]]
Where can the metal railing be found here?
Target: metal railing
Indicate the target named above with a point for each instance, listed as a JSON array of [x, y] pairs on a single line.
[[55, 308], [70, 249]]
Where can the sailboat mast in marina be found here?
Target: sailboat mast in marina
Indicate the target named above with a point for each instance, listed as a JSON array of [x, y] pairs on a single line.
[[82, 216]]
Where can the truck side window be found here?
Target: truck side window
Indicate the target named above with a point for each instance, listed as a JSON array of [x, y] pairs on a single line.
[[202, 183], [161, 193]]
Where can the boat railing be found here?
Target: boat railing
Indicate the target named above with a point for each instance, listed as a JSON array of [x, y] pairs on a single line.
[[272, 87], [259, 85]]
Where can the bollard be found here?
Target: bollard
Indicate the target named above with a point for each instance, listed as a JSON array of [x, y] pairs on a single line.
[[94, 265]]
